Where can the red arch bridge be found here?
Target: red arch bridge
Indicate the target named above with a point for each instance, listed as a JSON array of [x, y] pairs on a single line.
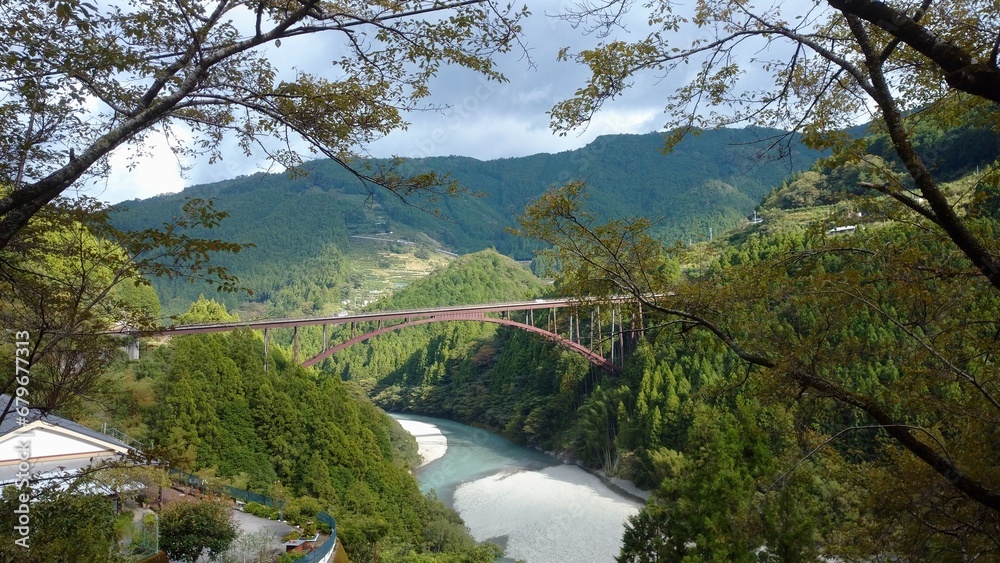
[[582, 327]]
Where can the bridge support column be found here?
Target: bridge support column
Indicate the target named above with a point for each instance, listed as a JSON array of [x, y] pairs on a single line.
[[295, 344], [266, 336], [577, 314], [612, 335], [642, 329], [634, 337], [133, 348], [326, 338], [621, 336], [600, 337]]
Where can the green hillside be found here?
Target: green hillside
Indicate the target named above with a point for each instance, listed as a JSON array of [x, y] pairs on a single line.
[[417, 357], [301, 226]]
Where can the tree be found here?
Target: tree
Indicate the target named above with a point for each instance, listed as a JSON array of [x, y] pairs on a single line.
[[124, 480], [889, 330], [157, 65], [63, 282], [205, 311], [64, 526], [854, 58], [189, 528]]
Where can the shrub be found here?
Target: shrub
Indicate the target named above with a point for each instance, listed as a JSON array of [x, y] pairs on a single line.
[[300, 510], [189, 528], [260, 510]]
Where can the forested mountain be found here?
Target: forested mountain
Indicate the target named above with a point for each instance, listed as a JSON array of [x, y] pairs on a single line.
[[300, 227], [877, 331], [869, 345], [208, 404], [419, 358]]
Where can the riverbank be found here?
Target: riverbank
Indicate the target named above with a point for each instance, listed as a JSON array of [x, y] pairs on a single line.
[[623, 487], [431, 443], [538, 507]]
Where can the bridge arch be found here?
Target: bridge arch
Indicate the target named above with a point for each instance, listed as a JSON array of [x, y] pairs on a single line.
[[592, 356]]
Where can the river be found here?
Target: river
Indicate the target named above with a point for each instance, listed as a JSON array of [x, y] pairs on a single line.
[[536, 507]]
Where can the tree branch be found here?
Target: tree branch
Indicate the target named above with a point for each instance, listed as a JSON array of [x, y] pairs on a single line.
[[962, 70]]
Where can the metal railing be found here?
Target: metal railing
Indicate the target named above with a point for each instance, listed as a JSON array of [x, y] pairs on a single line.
[[318, 555], [323, 553]]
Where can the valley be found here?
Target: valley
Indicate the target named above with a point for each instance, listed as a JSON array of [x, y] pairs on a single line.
[[699, 412]]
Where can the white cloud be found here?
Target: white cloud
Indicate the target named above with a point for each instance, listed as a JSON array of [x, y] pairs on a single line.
[[141, 172], [481, 119]]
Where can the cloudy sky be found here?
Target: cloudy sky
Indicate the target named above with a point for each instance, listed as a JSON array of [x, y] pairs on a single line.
[[484, 120]]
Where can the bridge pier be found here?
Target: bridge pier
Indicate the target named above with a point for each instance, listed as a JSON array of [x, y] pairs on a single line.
[[642, 329], [295, 343], [133, 348], [621, 336], [600, 337], [612, 336], [577, 315], [266, 339]]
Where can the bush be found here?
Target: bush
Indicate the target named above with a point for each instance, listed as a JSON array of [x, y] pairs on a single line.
[[300, 510], [258, 509], [189, 528], [324, 527]]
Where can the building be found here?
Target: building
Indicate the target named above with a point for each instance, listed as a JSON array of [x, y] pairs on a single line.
[[39, 448]]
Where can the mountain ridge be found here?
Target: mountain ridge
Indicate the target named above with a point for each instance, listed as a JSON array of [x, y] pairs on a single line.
[[710, 181]]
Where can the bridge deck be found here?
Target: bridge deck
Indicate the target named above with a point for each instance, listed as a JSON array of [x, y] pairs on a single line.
[[373, 316], [413, 317]]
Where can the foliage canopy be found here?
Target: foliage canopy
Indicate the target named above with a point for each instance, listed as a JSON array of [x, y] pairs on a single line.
[[80, 80], [189, 528], [879, 344]]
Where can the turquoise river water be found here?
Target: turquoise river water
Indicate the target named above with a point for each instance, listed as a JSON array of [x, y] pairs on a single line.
[[536, 507]]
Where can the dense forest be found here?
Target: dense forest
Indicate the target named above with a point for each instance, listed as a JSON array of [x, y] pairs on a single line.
[[777, 454], [209, 406], [301, 258], [818, 383], [741, 457], [736, 457]]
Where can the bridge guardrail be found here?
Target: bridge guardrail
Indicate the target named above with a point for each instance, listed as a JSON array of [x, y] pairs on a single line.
[[367, 316]]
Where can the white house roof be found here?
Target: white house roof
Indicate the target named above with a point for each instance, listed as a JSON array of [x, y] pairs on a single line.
[[51, 445], [11, 423]]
